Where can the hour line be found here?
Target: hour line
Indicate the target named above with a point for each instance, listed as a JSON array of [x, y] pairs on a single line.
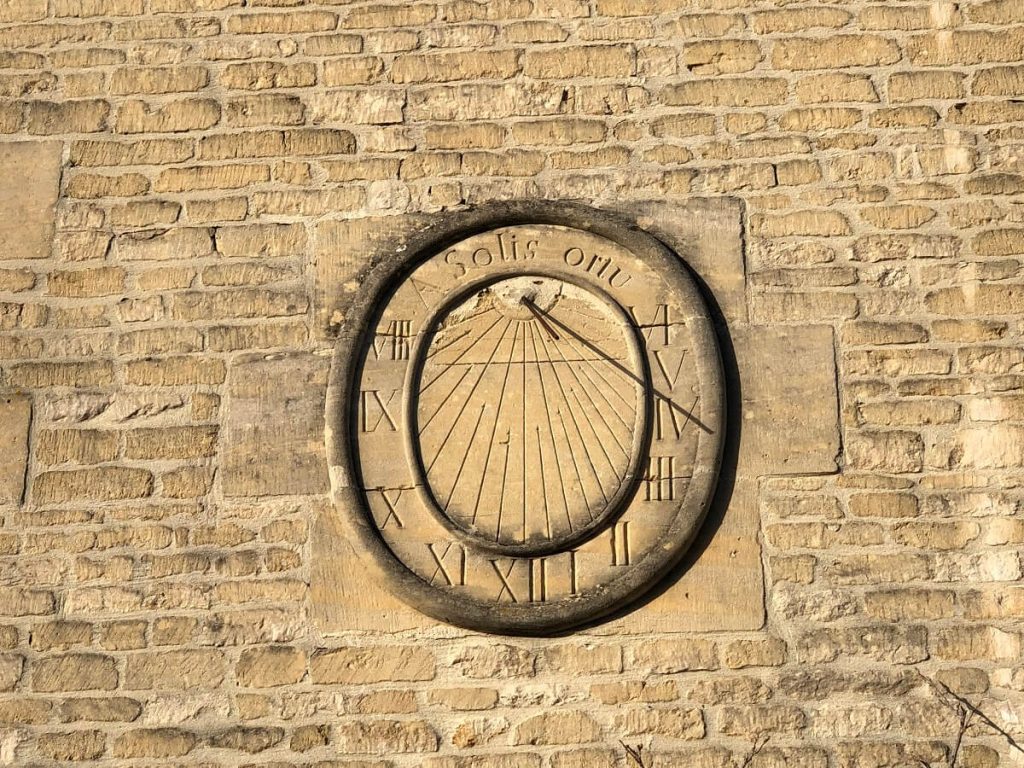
[[494, 429]]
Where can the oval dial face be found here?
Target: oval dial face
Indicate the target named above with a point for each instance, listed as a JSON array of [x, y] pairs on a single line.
[[530, 413], [533, 428]]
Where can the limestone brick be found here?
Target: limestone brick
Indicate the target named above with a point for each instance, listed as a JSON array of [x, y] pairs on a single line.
[[354, 666], [74, 672]]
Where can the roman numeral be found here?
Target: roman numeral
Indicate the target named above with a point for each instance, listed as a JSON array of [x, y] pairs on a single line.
[[536, 586], [503, 577], [658, 324], [621, 544], [538, 580], [660, 482], [395, 342], [452, 574], [391, 505], [376, 410], [672, 378]]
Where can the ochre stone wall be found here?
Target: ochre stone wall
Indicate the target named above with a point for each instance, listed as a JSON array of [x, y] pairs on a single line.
[[173, 173]]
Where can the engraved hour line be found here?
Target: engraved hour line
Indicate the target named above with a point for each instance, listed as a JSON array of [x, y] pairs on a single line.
[[501, 498], [600, 442], [597, 372], [525, 476], [612, 387], [617, 367], [551, 435], [468, 318], [615, 363], [583, 440], [462, 466], [464, 334], [494, 431], [458, 416], [597, 410], [565, 399], [576, 467], [452, 343], [445, 400], [596, 407], [544, 488], [599, 390], [451, 365]]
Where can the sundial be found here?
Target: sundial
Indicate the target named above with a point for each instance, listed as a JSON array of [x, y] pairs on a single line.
[[525, 422]]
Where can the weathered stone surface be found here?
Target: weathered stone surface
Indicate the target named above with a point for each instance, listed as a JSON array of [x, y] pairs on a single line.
[[790, 416], [272, 444], [565, 727], [355, 666], [385, 737], [153, 742], [74, 672], [339, 249], [28, 195], [15, 416], [200, 668], [271, 666]]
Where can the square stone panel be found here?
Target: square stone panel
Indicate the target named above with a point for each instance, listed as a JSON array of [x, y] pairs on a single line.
[[29, 185], [783, 415]]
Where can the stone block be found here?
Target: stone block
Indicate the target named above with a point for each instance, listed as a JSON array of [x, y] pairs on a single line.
[[273, 435], [29, 183], [790, 406], [15, 416]]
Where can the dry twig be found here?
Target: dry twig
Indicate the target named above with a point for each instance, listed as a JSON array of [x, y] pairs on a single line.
[[635, 754], [758, 745], [966, 711]]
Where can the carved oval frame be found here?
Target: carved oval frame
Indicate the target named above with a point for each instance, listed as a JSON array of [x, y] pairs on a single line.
[[375, 283]]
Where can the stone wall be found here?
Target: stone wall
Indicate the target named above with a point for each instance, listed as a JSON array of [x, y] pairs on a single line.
[[182, 181]]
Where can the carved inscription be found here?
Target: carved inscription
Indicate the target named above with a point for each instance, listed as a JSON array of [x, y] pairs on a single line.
[[601, 267], [656, 326], [391, 498], [660, 482]]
